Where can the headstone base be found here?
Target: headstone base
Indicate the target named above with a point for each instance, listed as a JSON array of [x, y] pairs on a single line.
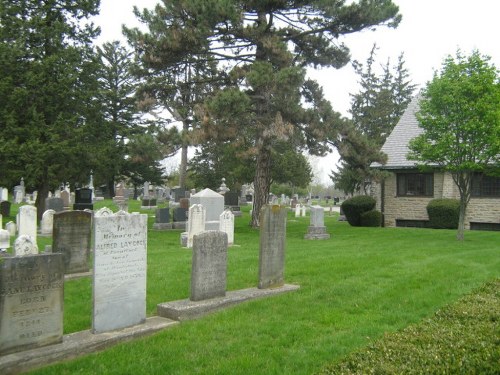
[[179, 225], [187, 309], [316, 233], [162, 226]]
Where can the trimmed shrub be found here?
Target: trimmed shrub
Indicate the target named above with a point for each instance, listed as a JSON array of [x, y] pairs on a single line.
[[355, 206], [443, 213], [371, 218]]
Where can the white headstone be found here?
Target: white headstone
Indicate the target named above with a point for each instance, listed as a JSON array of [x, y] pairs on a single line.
[[1, 222], [4, 239], [5, 194], [120, 264], [214, 206], [12, 228], [196, 222], [303, 210], [47, 222], [226, 225], [297, 210], [26, 221], [25, 245]]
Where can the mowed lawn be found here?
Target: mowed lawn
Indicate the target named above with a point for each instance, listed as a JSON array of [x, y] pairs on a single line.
[[354, 287]]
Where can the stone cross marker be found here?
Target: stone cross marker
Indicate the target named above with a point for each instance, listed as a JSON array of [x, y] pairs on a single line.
[[196, 222], [25, 245], [209, 267], [31, 302], [272, 246], [120, 263], [226, 221], [71, 236], [317, 229], [26, 221]]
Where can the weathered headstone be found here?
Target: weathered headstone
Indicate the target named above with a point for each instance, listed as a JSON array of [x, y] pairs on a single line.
[[55, 204], [214, 206], [104, 211], [196, 222], [31, 302], [26, 221], [297, 210], [12, 228], [83, 199], [4, 194], [180, 214], [317, 229], [162, 219], [184, 203], [25, 245], [272, 246], [226, 221], [303, 209], [5, 208], [4, 239], [209, 267], [120, 263], [71, 236], [65, 196], [47, 222]]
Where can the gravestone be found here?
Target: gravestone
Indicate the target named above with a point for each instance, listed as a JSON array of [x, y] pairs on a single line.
[[272, 246], [214, 206], [180, 217], [184, 203], [4, 194], [120, 263], [55, 204], [297, 210], [209, 267], [12, 228], [317, 229], [83, 199], [71, 237], [145, 190], [162, 219], [26, 221], [4, 239], [196, 222], [65, 196], [5, 208], [178, 194], [303, 209], [226, 221], [31, 302], [119, 197], [47, 222], [148, 203], [25, 245], [231, 198]]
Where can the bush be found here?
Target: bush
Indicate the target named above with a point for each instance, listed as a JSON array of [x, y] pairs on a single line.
[[443, 213], [355, 206], [371, 218]]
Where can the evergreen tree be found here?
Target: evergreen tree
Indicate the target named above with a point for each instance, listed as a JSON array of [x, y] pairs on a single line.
[[263, 48], [47, 81], [375, 110]]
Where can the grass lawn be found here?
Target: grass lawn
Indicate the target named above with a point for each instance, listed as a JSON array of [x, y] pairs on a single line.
[[354, 287]]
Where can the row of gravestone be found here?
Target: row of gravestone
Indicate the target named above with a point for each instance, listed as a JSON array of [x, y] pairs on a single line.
[[31, 286]]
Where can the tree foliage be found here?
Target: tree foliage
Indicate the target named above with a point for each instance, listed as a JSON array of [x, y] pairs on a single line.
[[47, 81], [262, 49], [375, 110], [460, 117]]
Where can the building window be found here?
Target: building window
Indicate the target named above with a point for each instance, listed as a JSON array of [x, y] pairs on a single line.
[[415, 184], [485, 186]]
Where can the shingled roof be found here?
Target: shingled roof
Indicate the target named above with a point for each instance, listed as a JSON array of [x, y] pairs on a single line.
[[396, 144]]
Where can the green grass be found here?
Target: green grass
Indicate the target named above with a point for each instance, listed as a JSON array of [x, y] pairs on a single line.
[[355, 287]]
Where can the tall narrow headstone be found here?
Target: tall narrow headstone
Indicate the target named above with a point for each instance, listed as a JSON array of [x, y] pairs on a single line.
[[71, 236], [297, 210], [47, 222], [31, 302], [317, 229], [120, 263], [209, 267], [26, 221], [272, 246], [196, 222], [4, 239], [4, 194], [303, 209], [226, 220], [12, 228], [65, 196], [25, 245]]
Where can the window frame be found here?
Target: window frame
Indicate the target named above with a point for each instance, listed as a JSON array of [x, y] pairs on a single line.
[[484, 186], [408, 184]]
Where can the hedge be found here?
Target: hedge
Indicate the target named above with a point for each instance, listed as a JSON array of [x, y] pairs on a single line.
[[371, 218], [443, 213], [355, 206]]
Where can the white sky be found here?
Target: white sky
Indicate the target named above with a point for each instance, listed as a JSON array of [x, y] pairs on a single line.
[[430, 31]]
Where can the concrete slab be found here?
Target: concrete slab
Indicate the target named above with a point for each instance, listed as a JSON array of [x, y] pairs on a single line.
[[77, 344], [187, 309]]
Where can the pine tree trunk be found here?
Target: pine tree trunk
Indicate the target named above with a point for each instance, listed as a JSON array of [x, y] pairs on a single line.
[[262, 184], [111, 186]]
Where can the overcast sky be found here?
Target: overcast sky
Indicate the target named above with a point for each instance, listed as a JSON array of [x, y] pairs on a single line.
[[430, 31]]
